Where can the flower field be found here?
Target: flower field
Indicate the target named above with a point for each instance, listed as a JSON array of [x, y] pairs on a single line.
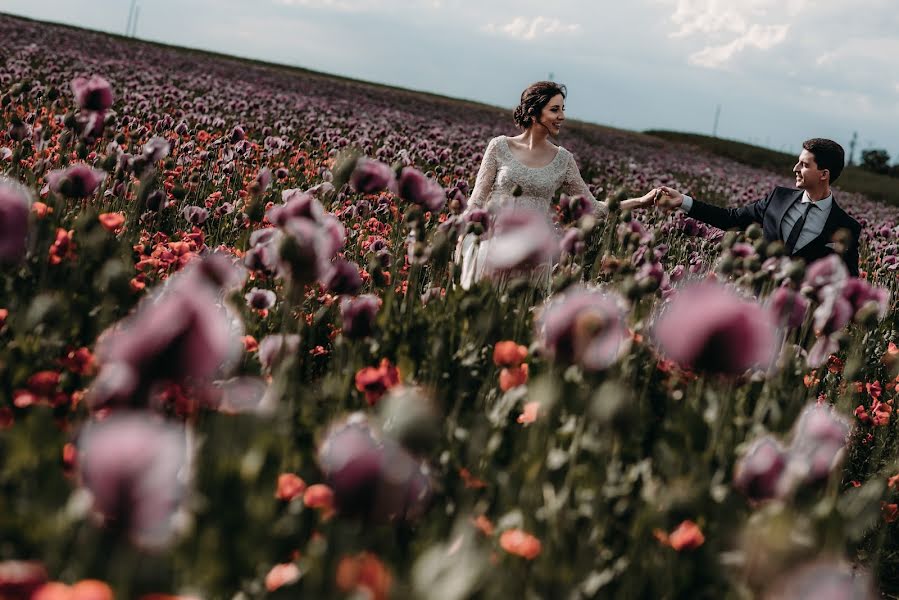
[[237, 359]]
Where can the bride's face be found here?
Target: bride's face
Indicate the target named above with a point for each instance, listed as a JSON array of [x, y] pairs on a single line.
[[553, 114]]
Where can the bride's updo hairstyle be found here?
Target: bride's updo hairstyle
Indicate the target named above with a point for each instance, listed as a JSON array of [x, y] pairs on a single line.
[[534, 99]]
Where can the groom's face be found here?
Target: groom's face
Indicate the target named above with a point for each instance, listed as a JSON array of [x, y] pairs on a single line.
[[807, 173]]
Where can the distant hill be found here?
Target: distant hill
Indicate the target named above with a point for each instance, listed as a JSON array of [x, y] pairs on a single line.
[[874, 186]]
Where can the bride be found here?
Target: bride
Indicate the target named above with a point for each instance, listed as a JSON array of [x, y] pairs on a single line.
[[526, 171]]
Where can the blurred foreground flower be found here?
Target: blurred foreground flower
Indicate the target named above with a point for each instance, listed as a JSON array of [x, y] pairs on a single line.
[[820, 436], [366, 574], [185, 334], [77, 181], [522, 240], [92, 94], [19, 579], [371, 176], [87, 589], [711, 329], [758, 473], [824, 580], [134, 467], [415, 187], [372, 477], [520, 543], [15, 203], [375, 381], [585, 327], [686, 536], [358, 315]]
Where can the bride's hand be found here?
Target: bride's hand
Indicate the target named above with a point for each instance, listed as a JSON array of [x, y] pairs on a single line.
[[649, 198]]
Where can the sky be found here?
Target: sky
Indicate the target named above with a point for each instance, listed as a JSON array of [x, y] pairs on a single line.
[[781, 71]]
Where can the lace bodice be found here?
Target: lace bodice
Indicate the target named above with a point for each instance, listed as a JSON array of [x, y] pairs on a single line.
[[501, 172]]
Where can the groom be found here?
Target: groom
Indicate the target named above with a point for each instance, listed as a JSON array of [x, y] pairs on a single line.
[[804, 219]]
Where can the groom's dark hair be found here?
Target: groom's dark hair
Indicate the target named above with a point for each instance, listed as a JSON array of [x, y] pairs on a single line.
[[533, 99], [828, 155]]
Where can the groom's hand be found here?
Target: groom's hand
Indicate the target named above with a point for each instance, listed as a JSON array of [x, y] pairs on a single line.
[[670, 198]]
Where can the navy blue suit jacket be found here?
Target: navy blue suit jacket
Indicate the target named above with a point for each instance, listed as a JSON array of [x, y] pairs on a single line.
[[770, 211]]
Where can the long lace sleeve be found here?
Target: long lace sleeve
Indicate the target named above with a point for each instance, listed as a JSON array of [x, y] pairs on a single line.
[[574, 185], [483, 184]]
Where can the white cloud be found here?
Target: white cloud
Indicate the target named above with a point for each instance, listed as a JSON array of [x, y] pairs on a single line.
[[760, 37], [523, 28], [727, 27]]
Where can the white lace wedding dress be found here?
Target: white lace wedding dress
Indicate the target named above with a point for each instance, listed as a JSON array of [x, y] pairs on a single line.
[[499, 175]]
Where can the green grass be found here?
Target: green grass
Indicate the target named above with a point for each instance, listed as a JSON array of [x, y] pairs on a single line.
[[853, 179]]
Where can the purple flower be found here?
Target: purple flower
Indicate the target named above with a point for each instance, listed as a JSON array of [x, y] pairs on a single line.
[[275, 348], [77, 181], [92, 94], [758, 474], [522, 240], [708, 328], [573, 241], [263, 252], [575, 207], [184, 334], [196, 215], [305, 250], [342, 278], [133, 466], [859, 293], [156, 149], [358, 315], [15, 204], [373, 478], [819, 440], [238, 134], [788, 307], [584, 327], [258, 299], [418, 189], [297, 203], [827, 271], [371, 176]]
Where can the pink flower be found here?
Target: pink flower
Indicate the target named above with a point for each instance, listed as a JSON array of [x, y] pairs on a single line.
[[584, 327], [15, 204], [708, 328], [418, 189], [788, 307], [342, 277], [522, 240], [371, 176], [759, 472], [358, 315], [132, 465], [819, 439], [372, 477], [185, 334], [77, 181], [93, 94]]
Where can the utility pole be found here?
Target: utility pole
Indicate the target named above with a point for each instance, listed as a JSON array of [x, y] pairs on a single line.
[[134, 24], [130, 18], [852, 144], [715, 126]]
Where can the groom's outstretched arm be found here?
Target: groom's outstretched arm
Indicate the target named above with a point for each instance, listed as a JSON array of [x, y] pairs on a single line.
[[722, 218]]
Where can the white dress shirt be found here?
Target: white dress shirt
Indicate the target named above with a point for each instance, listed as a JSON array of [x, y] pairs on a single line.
[[814, 222]]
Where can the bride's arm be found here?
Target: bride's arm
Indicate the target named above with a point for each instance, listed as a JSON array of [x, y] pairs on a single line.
[[483, 184], [643, 201], [574, 185]]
